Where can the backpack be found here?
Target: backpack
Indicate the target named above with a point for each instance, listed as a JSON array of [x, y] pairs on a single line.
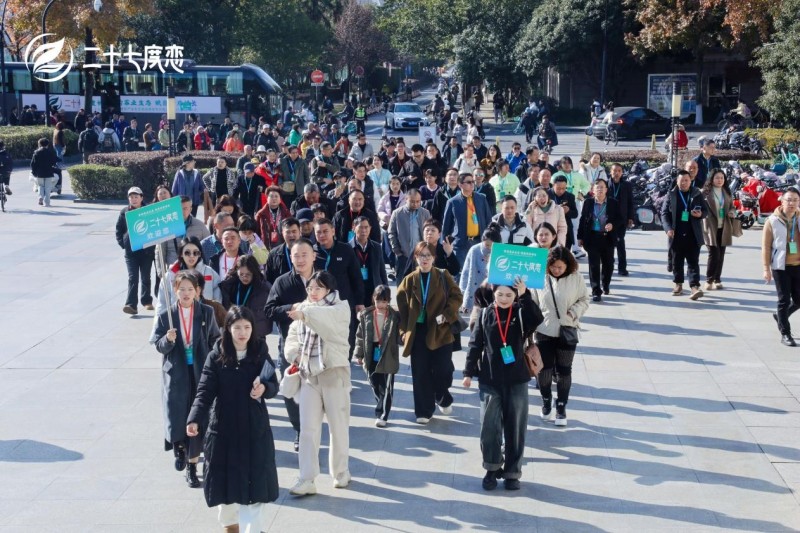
[[91, 140], [108, 143], [6, 162]]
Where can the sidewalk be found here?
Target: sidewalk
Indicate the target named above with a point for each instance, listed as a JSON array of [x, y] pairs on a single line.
[[684, 416]]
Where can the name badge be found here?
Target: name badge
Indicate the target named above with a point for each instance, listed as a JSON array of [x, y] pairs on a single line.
[[364, 273], [190, 355], [685, 216], [792, 247], [421, 317], [721, 214], [508, 354], [350, 235], [376, 353], [518, 238], [597, 225], [474, 218]]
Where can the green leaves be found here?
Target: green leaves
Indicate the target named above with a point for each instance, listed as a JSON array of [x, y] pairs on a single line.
[[780, 66]]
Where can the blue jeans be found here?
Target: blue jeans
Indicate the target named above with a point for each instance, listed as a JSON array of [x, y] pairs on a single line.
[[504, 413]]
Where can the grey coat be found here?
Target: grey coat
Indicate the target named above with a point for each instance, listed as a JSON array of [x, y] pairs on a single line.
[[389, 362], [176, 394], [301, 176], [400, 229]]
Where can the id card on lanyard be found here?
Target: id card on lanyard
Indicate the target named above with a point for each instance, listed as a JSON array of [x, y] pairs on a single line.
[[187, 334], [792, 242], [422, 314], [506, 352], [685, 214]]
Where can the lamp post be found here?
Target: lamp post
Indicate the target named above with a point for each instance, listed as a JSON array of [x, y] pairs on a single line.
[[676, 116], [171, 118], [3, 58], [89, 75], [46, 84]]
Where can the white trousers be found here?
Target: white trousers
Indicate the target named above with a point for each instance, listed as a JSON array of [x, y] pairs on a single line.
[[249, 517], [575, 223], [328, 395]]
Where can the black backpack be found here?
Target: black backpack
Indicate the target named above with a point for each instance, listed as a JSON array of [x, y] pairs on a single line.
[[91, 140], [6, 162], [108, 143]]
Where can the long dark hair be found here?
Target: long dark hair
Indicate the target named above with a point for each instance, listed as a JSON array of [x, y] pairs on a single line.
[[227, 352], [250, 263], [189, 241], [709, 184]]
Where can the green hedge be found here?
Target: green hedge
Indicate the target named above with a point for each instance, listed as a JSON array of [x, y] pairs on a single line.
[[100, 182], [203, 159], [21, 141], [145, 168], [627, 157]]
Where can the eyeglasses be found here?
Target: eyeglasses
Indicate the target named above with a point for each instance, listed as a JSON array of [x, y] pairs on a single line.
[[189, 253], [480, 175], [311, 289], [467, 183], [425, 257]]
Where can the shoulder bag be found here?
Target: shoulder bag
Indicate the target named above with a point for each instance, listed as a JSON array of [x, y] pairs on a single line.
[[533, 358], [566, 334]]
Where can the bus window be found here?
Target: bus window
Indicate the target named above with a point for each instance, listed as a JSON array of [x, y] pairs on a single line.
[[140, 84], [219, 83], [183, 83], [70, 84], [21, 80]]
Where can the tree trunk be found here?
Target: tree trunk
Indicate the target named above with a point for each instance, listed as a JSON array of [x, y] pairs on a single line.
[[88, 81]]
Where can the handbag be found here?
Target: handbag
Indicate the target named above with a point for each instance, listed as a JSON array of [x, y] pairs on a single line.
[[290, 383], [736, 228], [566, 334], [533, 358], [459, 325]]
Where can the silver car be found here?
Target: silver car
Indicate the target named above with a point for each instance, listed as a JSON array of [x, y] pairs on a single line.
[[405, 115]]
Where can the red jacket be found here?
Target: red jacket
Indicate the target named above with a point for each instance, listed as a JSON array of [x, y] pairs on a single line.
[[199, 139], [271, 176], [270, 231]]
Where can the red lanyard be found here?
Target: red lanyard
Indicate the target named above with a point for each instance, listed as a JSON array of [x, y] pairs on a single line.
[[362, 257], [377, 329], [187, 327], [503, 333], [225, 259]]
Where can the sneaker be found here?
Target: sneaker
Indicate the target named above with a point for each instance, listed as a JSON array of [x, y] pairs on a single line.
[[511, 484], [380, 423], [561, 414], [696, 293], [596, 298], [490, 480], [8, 191], [149, 307], [446, 411], [709, 286], [787, 340], [342, 480], [297, 441], [129, 309], [422, 420], [718, 286], [303, 488], [41, 202], [579, 254], [677, 290], [547, 409]]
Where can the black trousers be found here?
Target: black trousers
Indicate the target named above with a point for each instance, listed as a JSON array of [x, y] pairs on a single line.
[[600, 248], [686, 250], [351, 337], [361, 126], [716, 257], [622, 254], [787, 284], [383, 390], [556, 357], [431, 374], [139, 265]]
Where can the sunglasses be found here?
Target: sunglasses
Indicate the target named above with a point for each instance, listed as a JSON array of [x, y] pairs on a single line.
[[191, 254]]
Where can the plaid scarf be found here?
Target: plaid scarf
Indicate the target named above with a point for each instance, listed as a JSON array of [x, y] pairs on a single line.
[[311, 344]]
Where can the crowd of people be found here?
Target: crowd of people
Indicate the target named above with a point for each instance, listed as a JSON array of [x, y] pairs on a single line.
[[305, 243]]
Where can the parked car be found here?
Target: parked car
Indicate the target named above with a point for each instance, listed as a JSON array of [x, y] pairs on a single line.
[[405, 115], [636, 122]]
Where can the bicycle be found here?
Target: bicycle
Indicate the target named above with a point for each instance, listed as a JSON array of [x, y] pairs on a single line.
[[3, 197], [785, 156], [731, 118], [610, 135]]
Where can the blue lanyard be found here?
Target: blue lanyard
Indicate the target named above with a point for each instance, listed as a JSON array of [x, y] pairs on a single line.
[[288, 258], [246, 294], [597, 215], [248, 182], [615, 188], [328, 258], [685, 203], [425, 288], [291, 166]]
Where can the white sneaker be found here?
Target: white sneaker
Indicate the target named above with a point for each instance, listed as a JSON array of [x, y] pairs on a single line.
[[342, 480], [579, 254], [303, 488], [380, 423], [447, 411], [422, 420]]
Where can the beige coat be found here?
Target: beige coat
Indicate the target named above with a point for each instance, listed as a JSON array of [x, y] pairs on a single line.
[[711, 222], [331, 323], [572, 297], [554, 216]]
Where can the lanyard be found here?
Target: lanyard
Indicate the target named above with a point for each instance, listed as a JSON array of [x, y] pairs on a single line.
[[615, 187], [685, 203], [328, 258], [503, 333], [275, 218], [720, 200], [377, 329], [246, 294], [362, 257], [425, 289], [187, 327], [225, 259], [598, 215], [291, 166], [794, 224], [248, 182], [288, 258], [470, 205]]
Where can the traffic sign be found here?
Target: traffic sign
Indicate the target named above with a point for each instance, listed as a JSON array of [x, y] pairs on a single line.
[[155, 223], [359, 71], [317, 78]]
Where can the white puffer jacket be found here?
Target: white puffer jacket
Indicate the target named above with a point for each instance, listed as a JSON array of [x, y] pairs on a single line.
[[572, 296], [331, 323]]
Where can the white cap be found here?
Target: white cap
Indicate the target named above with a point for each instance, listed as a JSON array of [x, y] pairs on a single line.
[[135, 190]]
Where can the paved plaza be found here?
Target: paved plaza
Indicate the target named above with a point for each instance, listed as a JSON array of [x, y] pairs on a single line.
[[684, 416]]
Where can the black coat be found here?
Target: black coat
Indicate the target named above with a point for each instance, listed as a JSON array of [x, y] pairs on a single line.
[[484, 360], [232, 294], [176, 387], [341, 261], [239, 449], [623, 194], [443, 195], [288, 289], [343, 224], [442, 262], [278, 263], [123, 238], [249, 199], [375, 268], [43, 161], [672, 207], [569, 199], [585, 231]]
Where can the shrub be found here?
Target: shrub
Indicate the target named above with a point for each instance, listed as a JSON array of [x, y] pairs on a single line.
[[145, 168], [203, 159], [21, 141], [100, 182], [626, 157], [772, 136]]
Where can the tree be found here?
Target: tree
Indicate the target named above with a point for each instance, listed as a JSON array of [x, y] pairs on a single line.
[[357, 40], [423, 29], [780, 66], [568, 35]]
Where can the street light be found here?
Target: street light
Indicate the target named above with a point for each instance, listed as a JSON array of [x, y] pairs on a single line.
[[171, 118], [676, 115]]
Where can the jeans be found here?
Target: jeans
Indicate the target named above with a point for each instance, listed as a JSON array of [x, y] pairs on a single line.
[[504, 415], [139, 265], [59, 150], [498, 114], [431, 374], [45, 188], [716, 257], [787, 284], [600, 247], [685, 249]]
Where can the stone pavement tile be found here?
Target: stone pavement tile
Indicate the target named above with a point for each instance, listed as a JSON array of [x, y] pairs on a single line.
[[45, 528], [84, 513], [152, 528], [778, 443], [159, 487], [769, 390], [699, 378], [132, 467], [743, 515], [94, 488], [143, 512]]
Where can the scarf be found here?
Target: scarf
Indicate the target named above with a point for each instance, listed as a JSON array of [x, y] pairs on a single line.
[[311, 344]]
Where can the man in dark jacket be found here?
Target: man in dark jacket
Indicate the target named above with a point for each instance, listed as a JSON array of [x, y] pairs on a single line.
[[344, 220], [43, 164], [682, 215], [6, 167], [414, 170], [279, 261], [131, 136], [465, 217], [249, 187], [185, 140], [444, 194], [706, 162], [566, 200], [339, 259], [139, 263], [621, 190], [88, 142], [80, 121], [369, 255]]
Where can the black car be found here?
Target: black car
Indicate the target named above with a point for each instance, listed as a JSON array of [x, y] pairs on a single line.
[[635, 123]]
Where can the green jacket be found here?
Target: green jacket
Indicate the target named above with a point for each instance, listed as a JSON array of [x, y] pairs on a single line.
[[577, 183]]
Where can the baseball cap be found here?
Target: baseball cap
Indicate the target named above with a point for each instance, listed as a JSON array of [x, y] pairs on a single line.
[[305, 215], [135, 190], [249, 167]]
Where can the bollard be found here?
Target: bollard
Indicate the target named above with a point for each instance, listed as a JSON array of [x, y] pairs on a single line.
[[653, 143], [586, 149], [497, 140]]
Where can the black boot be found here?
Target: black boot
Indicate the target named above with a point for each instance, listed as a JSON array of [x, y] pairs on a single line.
[[180, 457], [191, 476]]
